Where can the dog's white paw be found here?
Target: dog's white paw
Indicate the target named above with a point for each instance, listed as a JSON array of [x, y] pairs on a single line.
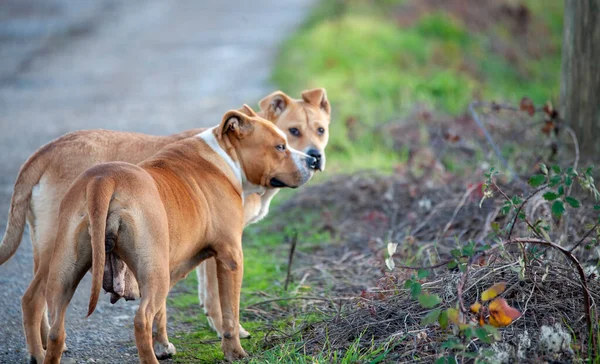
[[243, 333], [164, 352]]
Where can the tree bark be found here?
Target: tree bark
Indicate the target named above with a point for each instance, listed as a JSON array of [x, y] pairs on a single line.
[[580, 72]]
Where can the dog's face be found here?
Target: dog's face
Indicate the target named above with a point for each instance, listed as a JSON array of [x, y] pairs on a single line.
[[305, 122], [263, 152]]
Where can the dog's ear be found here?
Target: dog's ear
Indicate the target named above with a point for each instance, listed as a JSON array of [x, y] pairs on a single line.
[[247, 110], [317, 97], [236, 123], [275, 104]]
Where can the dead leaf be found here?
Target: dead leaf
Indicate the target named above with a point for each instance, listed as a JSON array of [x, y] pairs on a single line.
[[548, 127], [527, 106], [501, 314], [493, 291], [475, 307]]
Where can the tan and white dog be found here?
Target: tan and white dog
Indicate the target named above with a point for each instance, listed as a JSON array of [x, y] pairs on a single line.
[[163, 217], [47, 174]]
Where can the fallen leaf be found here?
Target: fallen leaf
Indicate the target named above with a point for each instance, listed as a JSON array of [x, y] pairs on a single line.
[[391, 248], [389, 262], [501, 314], [493, 291], [475, 307], [527, 106]]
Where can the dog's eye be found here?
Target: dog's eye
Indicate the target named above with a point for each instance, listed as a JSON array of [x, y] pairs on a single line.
[[294, 131], [280, 147], [320, 131]]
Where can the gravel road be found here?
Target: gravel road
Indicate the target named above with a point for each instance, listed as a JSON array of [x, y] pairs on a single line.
[[149, 66]]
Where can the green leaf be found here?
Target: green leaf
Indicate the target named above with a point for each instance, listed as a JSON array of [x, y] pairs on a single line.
[[427, 300], [495, 227], [493, 331], [431, 317], [558, 208], [483, 335], [484, 247], [554, 181], [573, 202], [462, 267], [543, 168], [443, 319], [415, 289], [537, 180], [561, 190], [469, 249], [516, 200], [452, 264], [556, 169], [597, 207], [455, 253], [550, 196], [423, 273], [568, 181], [452, 343], [468, 333]]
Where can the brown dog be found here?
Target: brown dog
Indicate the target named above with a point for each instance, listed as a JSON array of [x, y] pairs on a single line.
[[166, 215], [48, 173]]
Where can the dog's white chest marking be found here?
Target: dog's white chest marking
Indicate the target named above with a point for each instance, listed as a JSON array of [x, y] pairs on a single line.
[[248, 188]]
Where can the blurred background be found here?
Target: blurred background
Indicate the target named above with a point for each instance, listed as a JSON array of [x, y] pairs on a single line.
[[406, 159]]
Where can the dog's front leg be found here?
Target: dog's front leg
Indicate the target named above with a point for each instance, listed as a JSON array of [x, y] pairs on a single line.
[[208, 295], [230, 270], [163, 349]]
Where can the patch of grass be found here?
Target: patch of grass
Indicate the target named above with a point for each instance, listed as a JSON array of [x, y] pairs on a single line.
[[296, 353]]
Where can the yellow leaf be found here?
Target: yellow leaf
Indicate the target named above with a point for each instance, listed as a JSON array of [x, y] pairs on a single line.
[[453, 316], [501, 314], [475, 307], [493, 291]]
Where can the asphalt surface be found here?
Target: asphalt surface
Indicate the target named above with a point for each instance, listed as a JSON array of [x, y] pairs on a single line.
[[149, 66]]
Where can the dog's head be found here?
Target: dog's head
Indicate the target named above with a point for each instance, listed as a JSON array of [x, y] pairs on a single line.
[[305, 122], [262, 151]]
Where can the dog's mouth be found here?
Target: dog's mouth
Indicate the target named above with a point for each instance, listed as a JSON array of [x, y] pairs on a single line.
[[277, 183]]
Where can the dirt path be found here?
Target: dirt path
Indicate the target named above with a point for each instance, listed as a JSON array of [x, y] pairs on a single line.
[[154, 66]]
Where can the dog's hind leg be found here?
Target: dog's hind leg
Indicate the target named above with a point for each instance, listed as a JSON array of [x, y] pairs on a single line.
[[163, 349], [33, 305], [64, 279]]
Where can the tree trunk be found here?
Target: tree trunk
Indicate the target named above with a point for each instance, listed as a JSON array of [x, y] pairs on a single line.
[[580, 86]]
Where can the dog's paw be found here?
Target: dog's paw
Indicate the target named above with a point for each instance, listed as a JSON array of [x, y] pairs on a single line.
[[232, 349], [243, 333], [164, 352]]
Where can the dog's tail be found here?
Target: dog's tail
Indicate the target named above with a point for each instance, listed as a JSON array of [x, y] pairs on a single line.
[[30, 174], [99, 193]]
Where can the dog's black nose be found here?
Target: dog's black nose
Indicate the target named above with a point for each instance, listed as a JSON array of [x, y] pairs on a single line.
[[317, 157], [312, 162]]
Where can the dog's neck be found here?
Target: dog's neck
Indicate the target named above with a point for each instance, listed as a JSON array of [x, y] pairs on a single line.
[[219, 146]]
